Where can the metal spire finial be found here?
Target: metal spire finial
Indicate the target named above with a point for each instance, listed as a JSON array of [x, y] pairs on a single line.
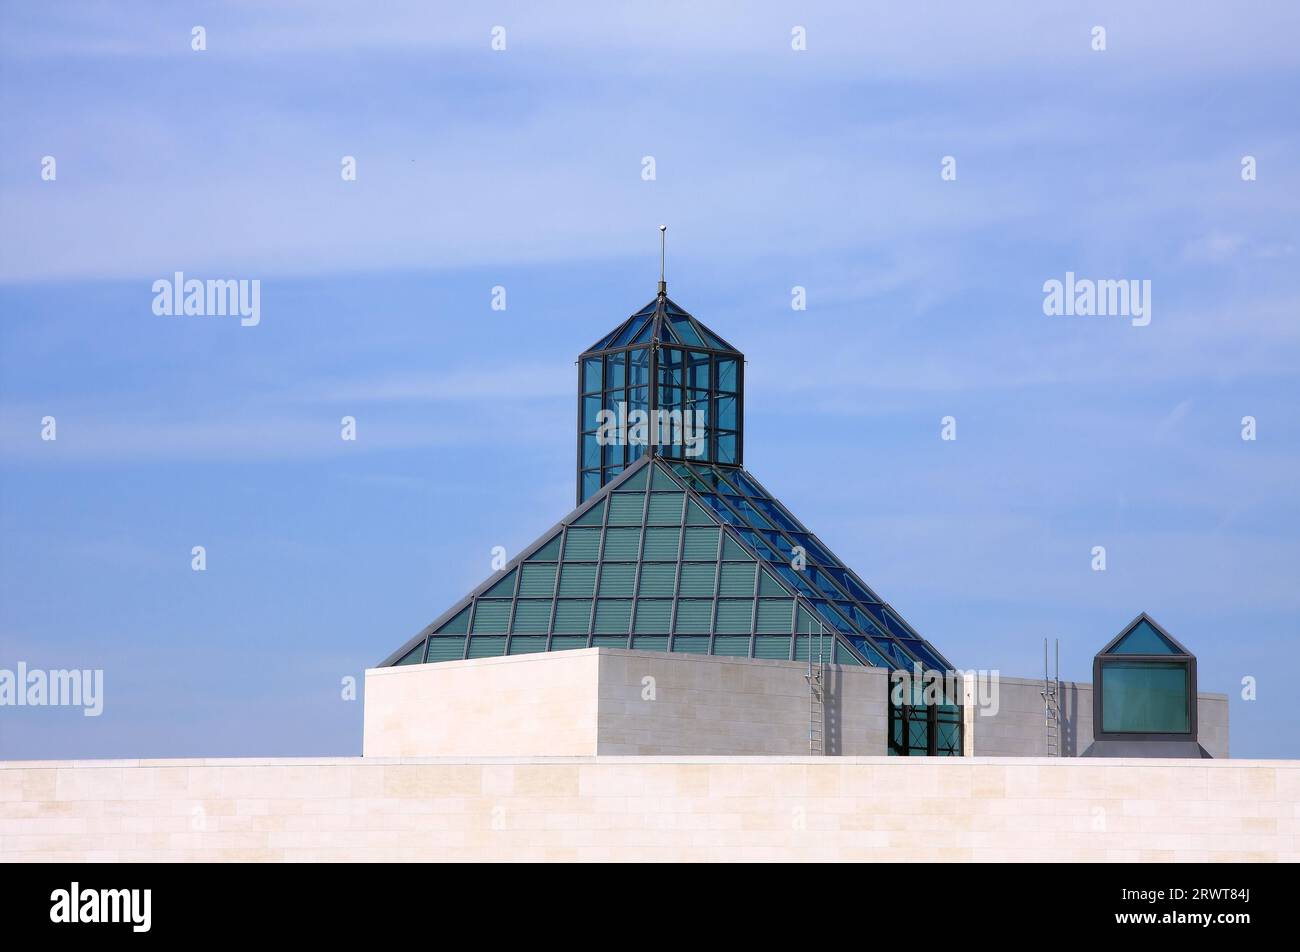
[[663, 284]]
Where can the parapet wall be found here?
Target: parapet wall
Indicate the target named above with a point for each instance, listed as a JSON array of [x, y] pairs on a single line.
[[879, 809], [1017, 729]]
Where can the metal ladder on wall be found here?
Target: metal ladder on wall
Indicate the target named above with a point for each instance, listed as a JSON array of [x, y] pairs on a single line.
[[1052, 702], [816, 678]]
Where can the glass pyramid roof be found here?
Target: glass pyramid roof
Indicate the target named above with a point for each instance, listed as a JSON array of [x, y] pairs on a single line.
[[684, 557], [663, 321]]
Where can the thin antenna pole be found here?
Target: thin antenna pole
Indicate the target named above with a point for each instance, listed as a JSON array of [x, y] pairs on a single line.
[[663, 283]]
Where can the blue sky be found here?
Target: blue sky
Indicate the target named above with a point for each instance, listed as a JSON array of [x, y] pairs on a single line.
[[522, 168]]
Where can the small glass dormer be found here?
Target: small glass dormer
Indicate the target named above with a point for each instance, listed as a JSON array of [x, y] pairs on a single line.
[[663, 367]]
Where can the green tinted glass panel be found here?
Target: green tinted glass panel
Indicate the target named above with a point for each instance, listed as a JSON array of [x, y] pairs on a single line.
[[527, 644], [737, 579], [653, 615], [821, 651], [625, 509], [609, 641], [658, 643], [502, 589], [806, 623], [414, 656], [568, 642], [532, 615], [662, 543], [446, 648], [844, 656], [550, 552], [635, 481], [767, 585], [581, 545], [612, 615], [691, 644], [697, 579], [731, 645], [700, 543], [695, 516], [458, 625], [491, 616], [1144, 639], [772, 646], [616, 579], [572, 616], [665, 509], [658, 578], [694, 616], [774, 615], [486, 647], [733, 551], [1144, 697], [537, 580], [735, 616], [593, 516], [661, 480], [577, 579], [622, 544]]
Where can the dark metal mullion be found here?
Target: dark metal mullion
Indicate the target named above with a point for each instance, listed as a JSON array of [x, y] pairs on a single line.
[[469, 626], [753, 610], [600, 568], [555, 589], [640, 550], [717, 591], [677, 586], [581, 397], [514, 606]]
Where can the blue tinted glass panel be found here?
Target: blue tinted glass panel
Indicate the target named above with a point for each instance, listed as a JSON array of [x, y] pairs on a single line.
[[616, 371], [871, 654], [633, 328], [591, 375], [646, 333], [710, 339], [830, 616], [697, 370], [727, 380], [684, 331], [815, 552], [777, 516], [928, 658], [639, 368], [670, 367], [726, 418], [748, 486]]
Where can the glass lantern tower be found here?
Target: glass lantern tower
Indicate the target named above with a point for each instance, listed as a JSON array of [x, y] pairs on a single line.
[[686, 380]]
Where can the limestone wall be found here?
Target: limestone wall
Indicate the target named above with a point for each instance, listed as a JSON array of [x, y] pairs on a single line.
[[609, 701], [629, 808]]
